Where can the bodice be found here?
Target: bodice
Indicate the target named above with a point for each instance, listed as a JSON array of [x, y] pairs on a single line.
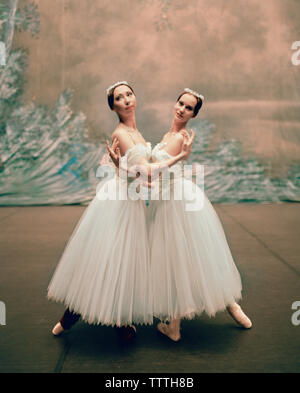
[[160, 154], [133, 157], [136, 151]]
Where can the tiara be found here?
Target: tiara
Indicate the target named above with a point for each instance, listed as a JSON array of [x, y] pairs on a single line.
[[194, 93], [110, 88]]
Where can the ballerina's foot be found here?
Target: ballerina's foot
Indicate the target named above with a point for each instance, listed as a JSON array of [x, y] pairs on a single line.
[[239, 316], [58, 329], [131, 332], [165, 329], [127, 333]]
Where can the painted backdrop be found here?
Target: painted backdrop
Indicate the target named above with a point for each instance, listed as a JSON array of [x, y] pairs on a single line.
[[59, 56]]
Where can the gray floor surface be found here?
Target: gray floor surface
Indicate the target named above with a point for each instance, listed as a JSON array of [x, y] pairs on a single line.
[[265, 243]]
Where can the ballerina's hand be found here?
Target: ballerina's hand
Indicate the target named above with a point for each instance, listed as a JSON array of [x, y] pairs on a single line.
[[105, 160], [187, 144], [192, 137], [114, 151], [136, 171]]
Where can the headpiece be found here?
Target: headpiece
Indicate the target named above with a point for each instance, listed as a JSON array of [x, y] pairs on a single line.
[[187, 90], [110, 88]]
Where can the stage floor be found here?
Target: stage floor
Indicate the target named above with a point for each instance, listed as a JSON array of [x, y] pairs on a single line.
[[264, 239]]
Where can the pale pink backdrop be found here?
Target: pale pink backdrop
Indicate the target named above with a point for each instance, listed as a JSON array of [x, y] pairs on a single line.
[[237, 53]]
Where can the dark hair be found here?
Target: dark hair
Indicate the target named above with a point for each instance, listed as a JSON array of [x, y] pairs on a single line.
[[110, 96], [197, 106]]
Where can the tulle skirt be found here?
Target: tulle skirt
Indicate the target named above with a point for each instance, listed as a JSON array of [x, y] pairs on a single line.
[[192, 268], [104, 272]]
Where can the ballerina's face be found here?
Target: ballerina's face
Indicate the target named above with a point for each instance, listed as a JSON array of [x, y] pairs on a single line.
[[124, 100], [184, 108]]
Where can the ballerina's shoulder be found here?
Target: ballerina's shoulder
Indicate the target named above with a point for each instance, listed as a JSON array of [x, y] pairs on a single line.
[[123, 138]]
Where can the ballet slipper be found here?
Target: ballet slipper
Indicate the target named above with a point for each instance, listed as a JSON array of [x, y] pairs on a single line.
[[133, 327], [239, 316], [58, 329], [127, 333], [165, 329], [131, 332]]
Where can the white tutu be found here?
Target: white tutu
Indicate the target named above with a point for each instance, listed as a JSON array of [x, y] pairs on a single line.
[[104, 271], [192, 269]]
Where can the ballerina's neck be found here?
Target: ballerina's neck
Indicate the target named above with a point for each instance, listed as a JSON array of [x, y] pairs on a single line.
[[178, 126], [129, 125]]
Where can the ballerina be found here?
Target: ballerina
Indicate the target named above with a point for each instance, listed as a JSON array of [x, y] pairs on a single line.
[[192, 269], [103, 274]]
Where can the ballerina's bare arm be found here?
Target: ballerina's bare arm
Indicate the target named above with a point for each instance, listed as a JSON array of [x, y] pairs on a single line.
[[147, 168], [174, 144]]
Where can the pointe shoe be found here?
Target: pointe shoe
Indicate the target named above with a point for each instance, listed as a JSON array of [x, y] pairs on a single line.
[[58, 329], [239, 316], [164, 329]]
